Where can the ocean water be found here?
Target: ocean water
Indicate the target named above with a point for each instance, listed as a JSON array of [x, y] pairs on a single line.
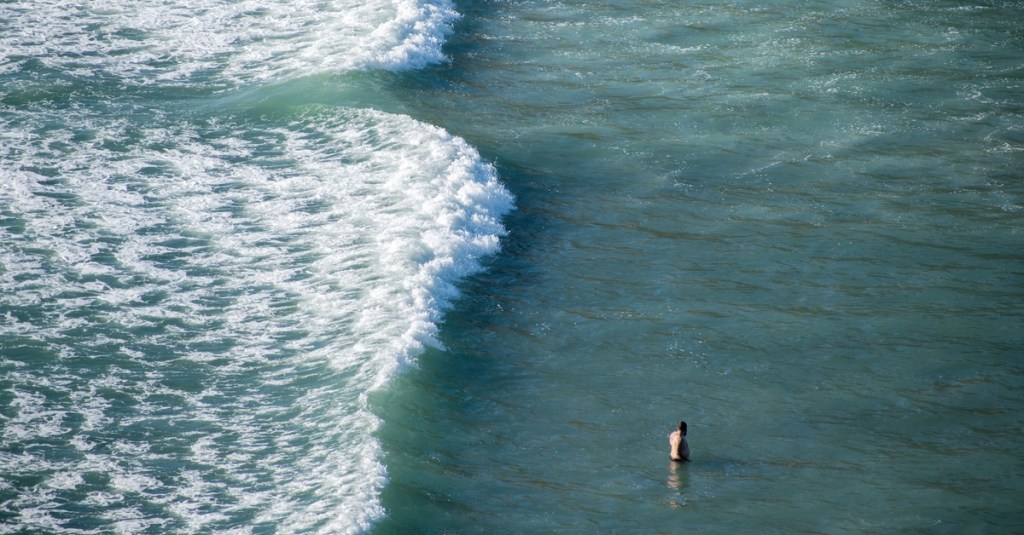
[[433, 267]]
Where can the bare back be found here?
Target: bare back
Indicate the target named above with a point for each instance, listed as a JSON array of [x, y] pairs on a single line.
[[680, 449]]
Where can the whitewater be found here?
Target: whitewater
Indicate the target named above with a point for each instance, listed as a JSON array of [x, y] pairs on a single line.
[[203, 284]]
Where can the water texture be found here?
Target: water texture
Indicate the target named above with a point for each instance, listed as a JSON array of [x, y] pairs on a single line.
[[260, 270], [796, 226], [204, 276]]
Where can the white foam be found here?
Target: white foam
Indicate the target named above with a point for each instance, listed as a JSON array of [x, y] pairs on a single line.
[[221, 42], [327, 248], [33, 419]]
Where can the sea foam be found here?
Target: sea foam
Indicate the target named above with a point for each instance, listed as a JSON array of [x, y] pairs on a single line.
[[220, 43], [198, 309], [197, 305]]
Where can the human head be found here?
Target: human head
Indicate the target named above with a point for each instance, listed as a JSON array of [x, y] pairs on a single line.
[[682, 427]]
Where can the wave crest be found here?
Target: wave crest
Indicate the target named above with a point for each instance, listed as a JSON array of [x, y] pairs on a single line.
[[221, 43]]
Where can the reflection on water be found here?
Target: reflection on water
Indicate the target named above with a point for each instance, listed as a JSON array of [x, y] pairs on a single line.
[[678, 480]]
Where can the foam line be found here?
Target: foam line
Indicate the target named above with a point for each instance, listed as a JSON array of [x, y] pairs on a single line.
[[221, 43]]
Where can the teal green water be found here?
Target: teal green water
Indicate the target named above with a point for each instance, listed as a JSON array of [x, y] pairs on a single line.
[[260, 270], [796, 226], [215, 243]]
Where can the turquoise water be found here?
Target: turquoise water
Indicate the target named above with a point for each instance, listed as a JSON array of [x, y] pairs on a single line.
[[797, 226], [261, 270]]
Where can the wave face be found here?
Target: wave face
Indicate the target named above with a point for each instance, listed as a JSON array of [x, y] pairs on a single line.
[[197, 301]]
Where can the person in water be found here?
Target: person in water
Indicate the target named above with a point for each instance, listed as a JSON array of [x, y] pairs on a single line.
[[680, 451]]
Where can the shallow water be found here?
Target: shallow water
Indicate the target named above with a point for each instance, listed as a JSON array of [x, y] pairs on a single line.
[[797, 227], [233, 235]]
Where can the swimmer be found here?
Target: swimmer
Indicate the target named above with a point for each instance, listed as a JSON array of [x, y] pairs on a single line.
[[680, 451]]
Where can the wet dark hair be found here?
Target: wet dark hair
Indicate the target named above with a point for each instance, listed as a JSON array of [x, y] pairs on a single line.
[[682, 427]]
